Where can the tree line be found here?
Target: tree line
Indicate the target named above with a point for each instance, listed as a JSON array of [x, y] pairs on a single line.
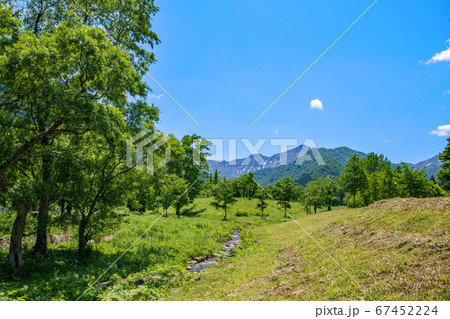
[[365, 180], [373, 178]]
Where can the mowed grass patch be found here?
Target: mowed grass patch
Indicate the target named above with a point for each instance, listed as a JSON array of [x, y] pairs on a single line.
[[393, 250]]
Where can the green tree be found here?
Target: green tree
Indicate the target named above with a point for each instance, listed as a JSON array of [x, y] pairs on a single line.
[[216, 177], [94, 179], [68, 69], [354, 178], [377, 167], [373, 163], [443, 174], [330, 191], [142, 196], [246, 185], [414, 183], [319, 192], [194, 162], [284, 192], [223, 196], [388, 188], [173, 192], [262, 196], [313, 194], [238, 187]]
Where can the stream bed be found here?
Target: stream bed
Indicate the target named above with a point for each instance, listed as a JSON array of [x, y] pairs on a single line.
[[200, 264]]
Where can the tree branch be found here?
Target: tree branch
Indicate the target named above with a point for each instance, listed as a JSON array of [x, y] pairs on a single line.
[[10, 102], [28, 144]]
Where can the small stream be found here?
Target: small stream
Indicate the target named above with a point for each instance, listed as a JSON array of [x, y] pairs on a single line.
[[199, 264]]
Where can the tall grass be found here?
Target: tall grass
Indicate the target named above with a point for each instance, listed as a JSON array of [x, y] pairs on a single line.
[[162, 249]]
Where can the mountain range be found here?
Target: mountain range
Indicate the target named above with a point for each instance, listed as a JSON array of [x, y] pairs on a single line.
[[302, 164]]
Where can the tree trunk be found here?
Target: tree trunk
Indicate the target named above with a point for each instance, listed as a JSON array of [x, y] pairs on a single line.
[[41, 237], [225, 217], [354, 200], [178, 212], [3, 181], [63, 204], [315, 209], [82, 234], [44, 203], [262, 213], [15, 246]]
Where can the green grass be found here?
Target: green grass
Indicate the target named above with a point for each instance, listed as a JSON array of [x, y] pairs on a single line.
[[164, 250], [394, 250]]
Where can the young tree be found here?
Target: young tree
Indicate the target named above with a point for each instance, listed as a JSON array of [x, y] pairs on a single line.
[[216, 177], [284, 193], [223, 196], [262, 196], [318, 192], [238, 187], [443, 174], [307, 200], [330, 191], [388, 188], [249, 185], [173, 192], [354, 178]]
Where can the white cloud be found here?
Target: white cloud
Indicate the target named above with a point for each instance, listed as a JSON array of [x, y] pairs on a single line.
[[316, 104], [440, 56], [388, 141], [446, 92], [154, 96], [276, 132], [442, 130]]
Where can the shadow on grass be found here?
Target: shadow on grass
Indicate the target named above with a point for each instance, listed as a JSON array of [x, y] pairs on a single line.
[[192, 212], [65, 275]]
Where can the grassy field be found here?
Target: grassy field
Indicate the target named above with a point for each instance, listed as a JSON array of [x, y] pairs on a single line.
[[163, 250], [393, 250]]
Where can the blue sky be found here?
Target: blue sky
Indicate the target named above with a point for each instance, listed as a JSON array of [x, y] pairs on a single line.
[[225, 62]]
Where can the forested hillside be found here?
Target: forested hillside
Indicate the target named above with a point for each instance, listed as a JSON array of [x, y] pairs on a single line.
[[335, 160], [309, 170]]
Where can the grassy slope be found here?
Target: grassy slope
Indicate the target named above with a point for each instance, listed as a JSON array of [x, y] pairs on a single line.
[[395, 250]]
